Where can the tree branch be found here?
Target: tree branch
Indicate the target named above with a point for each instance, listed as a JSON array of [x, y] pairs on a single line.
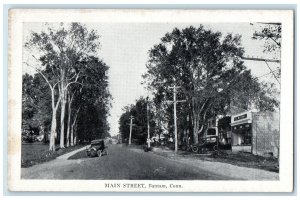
[[51, 87], [40, 72], [73, 82], [76, 114], [58, 101]]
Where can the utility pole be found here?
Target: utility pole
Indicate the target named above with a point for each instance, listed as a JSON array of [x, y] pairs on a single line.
[[130, 132], [159, 122], [148, 124], [175, 101]]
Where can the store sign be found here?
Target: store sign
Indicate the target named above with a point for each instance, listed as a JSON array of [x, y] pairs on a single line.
[[240, 117]]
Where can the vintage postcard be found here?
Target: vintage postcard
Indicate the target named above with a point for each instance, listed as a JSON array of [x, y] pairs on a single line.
[[150, 100]]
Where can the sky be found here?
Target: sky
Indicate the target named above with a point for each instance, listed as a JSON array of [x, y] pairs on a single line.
[[125, 46]]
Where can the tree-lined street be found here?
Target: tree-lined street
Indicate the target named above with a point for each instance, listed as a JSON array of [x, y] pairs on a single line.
[[195, 81]]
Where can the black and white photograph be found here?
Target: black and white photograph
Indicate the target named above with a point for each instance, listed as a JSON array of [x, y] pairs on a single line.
[[151, 104]]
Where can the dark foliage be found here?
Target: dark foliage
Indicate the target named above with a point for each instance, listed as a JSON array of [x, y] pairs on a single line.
[[140, 129]]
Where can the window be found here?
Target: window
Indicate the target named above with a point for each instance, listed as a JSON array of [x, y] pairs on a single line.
[[211, 131], [247, 138], [224, 137]]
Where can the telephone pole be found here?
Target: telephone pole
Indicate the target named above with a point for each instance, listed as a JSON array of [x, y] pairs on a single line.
[[130, 132], [175, 101], [148, 125]]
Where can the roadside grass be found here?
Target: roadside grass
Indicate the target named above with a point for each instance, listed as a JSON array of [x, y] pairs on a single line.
[[248, 160], [37, 152], [239, 159], [79, 155]]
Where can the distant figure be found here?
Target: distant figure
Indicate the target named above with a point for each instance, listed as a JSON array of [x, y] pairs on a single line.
[[188, 140], [223, 141], [148, 142]]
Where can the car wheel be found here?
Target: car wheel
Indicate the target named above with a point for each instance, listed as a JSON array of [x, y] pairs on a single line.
[[195, 149], [99, 153], [215, 148]]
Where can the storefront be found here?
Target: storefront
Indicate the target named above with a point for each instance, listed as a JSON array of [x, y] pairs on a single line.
[[241, 129], [255, 132]]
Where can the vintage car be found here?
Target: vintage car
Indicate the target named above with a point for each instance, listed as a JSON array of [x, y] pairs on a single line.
[[97, 148], [206, 144]]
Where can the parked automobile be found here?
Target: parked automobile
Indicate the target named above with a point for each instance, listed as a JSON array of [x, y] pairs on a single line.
[[206, 144], [97, 148]]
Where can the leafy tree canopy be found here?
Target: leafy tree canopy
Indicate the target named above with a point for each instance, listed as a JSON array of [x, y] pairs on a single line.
[[140, 129], [209, 70]]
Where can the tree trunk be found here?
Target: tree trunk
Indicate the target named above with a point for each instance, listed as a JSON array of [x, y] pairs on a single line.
[[62, 112], [73, 129], [197, 110], [46, 139], [75, 139], [196, 114], [195, 128], [42, 132], [68, 134], [62, 121], [53, 132], [76, 135], [69, 123], [72, 136]]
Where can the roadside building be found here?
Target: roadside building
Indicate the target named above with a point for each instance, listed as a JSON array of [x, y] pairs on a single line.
[[220, 126], [255, 132]]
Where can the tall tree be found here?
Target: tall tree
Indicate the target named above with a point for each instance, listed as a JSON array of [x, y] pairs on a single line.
[[205, 65], [60, 50], [93, 100]]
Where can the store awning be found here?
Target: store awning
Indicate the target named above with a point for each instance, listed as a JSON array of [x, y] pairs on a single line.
[[241, 127]]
